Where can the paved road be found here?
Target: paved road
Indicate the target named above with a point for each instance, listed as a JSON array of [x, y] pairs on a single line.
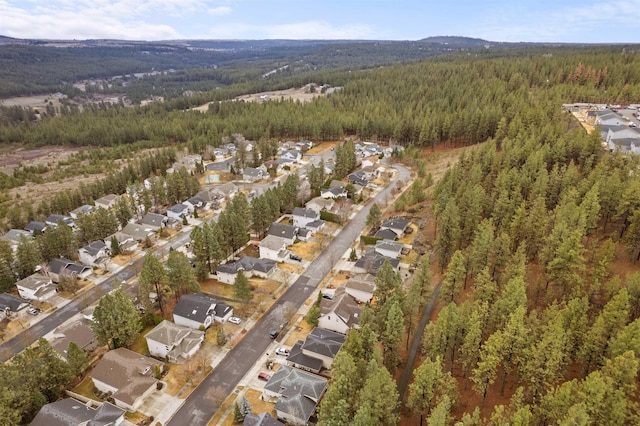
[[202, 403]]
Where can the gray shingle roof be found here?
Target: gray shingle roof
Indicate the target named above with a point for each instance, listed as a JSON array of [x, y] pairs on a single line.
[[262, 419], [299, 391], [94, 247], [195, 307], [386, 234], [282, 230], [69, 412], [306, 213]]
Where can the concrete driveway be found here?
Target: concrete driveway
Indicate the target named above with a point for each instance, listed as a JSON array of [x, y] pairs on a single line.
[[161, 406]]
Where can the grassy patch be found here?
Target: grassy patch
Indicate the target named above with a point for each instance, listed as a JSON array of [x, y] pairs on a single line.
[[185, 377], [298, 332], [140, 344], [258, 405], [321, 148], [305, 250], [136, 417], [85, 388], [408, 239], [409, 258], [216, 288]]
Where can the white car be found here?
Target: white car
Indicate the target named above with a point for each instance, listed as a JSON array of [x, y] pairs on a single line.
[[282, 351], [234, 320]]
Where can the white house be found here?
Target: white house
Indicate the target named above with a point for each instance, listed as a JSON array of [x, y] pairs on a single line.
[[195, 311], [319, 204], [68, 411], [127, 375], [335, 192], [178, 211], [85, 209], [389, 248], [13, 237], [172, 342], [106, 202], [274, 248], [251, 174], [154, 221], [303, 216], [36, 287], [287, 232], [361, 287], [94, 253], [339, 314]]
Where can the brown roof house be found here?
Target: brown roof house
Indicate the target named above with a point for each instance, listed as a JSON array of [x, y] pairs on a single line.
[[127, 376], [361, 287]]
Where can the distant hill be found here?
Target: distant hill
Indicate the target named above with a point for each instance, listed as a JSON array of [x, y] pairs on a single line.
[[457, 41]]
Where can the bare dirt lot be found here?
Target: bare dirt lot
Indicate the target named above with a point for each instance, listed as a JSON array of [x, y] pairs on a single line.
[[296, 94], [35, 102]]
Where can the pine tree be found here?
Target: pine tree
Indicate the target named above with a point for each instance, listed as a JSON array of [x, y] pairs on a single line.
[[116, 321], [242, 289], [153, 279], [77, 359], [27, 257], [374, 216], [454, 278], [392, 337], [180, 274]]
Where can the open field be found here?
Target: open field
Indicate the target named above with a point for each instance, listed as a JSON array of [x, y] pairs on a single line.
[[296, 94], [35, 102]]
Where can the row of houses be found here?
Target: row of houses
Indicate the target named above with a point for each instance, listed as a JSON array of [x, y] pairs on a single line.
[[619, 133]]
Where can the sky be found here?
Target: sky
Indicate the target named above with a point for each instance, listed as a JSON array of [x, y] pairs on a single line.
[[573, 21]]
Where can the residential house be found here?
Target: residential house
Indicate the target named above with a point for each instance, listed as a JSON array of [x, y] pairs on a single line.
[[625, 146], [13, 237], [335, 192], [287, 232], [70, 412], [106, 202], [200, 310], [386, 234], [369, 172], [274, 248], [262, 419], [78, 332], [361, 287], [150, 182], [251, 267], [371, 262], [187, 162], [127, 375], [337, 183], [196, 203], [225, 191], [304, 234], [305, 145], [60, 267], [389, 248], [11, 305], [320, 204], [317, 351], [297, 393], [315, 225], [178, 211], [329, 168], [125, 242], [358, 178], [94, 253], [36, 287], [55, 219], [173, 343], [84, 209], [35, 227], [251, 174], [339, 314], [219, 152], [301, 217], [154, 221], [292, 155], [220, 166], [398, 225], [140, 233]]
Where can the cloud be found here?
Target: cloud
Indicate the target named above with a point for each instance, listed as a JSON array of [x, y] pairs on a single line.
[[122, 19]]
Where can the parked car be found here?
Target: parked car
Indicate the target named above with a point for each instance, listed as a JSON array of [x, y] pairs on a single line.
[[327, 296], [274, 333], [34, 311], [295, 257], [282, 351], [264, 376], [234, 320]]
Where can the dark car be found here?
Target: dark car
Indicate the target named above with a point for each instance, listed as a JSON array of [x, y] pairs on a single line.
[[295, 257], [274, 333]]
